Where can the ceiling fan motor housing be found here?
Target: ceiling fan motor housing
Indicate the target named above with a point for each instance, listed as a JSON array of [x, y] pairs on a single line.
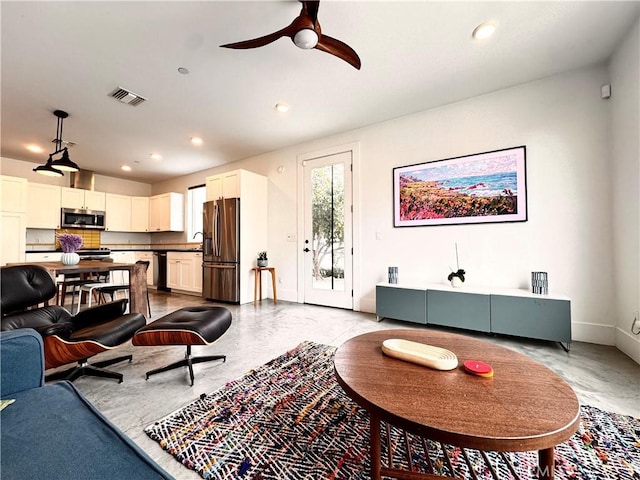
[[305, 38]]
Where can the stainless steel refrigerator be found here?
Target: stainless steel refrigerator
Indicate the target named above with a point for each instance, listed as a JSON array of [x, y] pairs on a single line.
[[221, 250]]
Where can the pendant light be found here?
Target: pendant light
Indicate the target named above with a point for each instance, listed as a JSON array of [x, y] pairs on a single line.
[[55, 168], [48, 170], [65, 164]]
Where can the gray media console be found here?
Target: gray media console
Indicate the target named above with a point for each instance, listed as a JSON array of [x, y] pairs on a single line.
[[502, 311]]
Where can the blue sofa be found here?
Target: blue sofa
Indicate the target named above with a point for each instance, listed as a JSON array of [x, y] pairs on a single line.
[[52, 431]]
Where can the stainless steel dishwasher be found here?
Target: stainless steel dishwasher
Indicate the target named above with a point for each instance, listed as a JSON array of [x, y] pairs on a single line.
[[160, 270]]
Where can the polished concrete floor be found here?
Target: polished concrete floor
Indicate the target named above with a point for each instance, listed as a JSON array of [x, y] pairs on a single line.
[[601, 376]]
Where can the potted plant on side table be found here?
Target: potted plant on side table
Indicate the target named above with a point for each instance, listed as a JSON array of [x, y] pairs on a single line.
[[262, 259]]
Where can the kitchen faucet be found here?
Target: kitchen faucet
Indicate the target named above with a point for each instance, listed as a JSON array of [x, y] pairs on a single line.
[[194, 236]]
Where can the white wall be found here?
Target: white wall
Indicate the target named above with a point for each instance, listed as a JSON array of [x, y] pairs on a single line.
[[564, 124], [625, 125]]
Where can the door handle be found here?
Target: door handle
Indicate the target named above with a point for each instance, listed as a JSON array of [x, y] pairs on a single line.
[[306, 250]]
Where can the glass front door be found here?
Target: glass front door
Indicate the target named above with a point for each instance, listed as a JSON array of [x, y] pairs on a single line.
[[328, 236]]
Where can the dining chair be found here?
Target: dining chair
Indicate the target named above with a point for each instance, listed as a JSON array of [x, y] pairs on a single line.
[[75, 281], [112, 288]]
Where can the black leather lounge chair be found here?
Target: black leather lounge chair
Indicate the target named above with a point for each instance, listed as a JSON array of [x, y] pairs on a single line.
[[67, 338]]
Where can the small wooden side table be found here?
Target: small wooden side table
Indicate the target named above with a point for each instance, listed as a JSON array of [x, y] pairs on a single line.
[[257, 287]]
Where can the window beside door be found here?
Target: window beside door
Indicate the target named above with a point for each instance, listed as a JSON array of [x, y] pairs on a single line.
[[196, 196]]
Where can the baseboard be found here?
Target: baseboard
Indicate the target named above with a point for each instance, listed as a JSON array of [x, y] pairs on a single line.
[[186, 292], [287, 295], [628, 344], [593, 333]]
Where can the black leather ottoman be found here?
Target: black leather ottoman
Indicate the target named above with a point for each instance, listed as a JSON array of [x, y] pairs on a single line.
[[201, 325]]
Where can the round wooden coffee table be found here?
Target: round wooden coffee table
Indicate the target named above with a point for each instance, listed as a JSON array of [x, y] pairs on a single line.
[[523, 407]]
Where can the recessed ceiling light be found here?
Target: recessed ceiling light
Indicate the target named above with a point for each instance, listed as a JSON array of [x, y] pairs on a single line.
[[155, 156], [282, 107], [196, 140], [484, 30], [183, 70], [35, 148], [126, 168]]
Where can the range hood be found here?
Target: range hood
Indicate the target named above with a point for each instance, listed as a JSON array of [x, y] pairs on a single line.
[[82, 179]]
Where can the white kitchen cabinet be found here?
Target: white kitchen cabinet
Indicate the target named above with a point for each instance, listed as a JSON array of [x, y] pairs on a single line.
[[224, 185], [13, 235], [44, 257], [148, 257], [118, 213], [166, 212], [127, 256], [139, 214], [13, 221], [13, 191], [83, 199], [197, 272], [184, 271], [121, 277], [43, 205]]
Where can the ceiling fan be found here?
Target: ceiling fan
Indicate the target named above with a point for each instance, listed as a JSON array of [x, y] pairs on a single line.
[[305, 32]]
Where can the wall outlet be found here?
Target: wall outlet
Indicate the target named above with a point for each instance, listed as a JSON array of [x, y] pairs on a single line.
[[635, 323]]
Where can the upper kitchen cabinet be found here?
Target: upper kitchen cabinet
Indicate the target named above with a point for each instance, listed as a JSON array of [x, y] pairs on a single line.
[[43, 205], [139, 214], [166, 212], [224, 185], [118, 213], [13, 191], [83, 199], [13, 231]]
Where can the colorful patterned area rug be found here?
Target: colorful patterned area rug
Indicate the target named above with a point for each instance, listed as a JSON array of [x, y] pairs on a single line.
[[290, 420]]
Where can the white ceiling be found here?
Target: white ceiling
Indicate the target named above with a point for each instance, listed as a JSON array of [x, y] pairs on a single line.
[[415, 56]]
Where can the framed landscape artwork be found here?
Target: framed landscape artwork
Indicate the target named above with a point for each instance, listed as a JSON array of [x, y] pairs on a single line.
[[480, 188]]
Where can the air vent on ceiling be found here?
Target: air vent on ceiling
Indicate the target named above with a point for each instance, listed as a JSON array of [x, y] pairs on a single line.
[[125, 96]]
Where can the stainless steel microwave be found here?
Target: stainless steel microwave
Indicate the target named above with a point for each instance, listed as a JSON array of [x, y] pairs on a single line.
[[77, 218]]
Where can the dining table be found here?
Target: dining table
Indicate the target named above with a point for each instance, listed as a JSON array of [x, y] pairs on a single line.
[[137, 277]]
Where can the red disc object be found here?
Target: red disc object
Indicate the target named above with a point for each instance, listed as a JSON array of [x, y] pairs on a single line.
[[476, 367]]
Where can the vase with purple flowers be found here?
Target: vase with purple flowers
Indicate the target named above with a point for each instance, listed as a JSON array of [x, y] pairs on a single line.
[[69, 243]]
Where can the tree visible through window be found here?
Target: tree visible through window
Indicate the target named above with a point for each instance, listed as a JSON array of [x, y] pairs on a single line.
[[196, 196], [328, 226]]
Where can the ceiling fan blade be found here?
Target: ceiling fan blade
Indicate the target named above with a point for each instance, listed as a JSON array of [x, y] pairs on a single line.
[[260, 41], [339, 49]]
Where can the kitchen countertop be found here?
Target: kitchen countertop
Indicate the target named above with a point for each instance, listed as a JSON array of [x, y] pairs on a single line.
[[193, 250]]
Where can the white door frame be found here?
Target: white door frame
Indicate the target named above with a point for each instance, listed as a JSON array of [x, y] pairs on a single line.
[[354, 148]]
